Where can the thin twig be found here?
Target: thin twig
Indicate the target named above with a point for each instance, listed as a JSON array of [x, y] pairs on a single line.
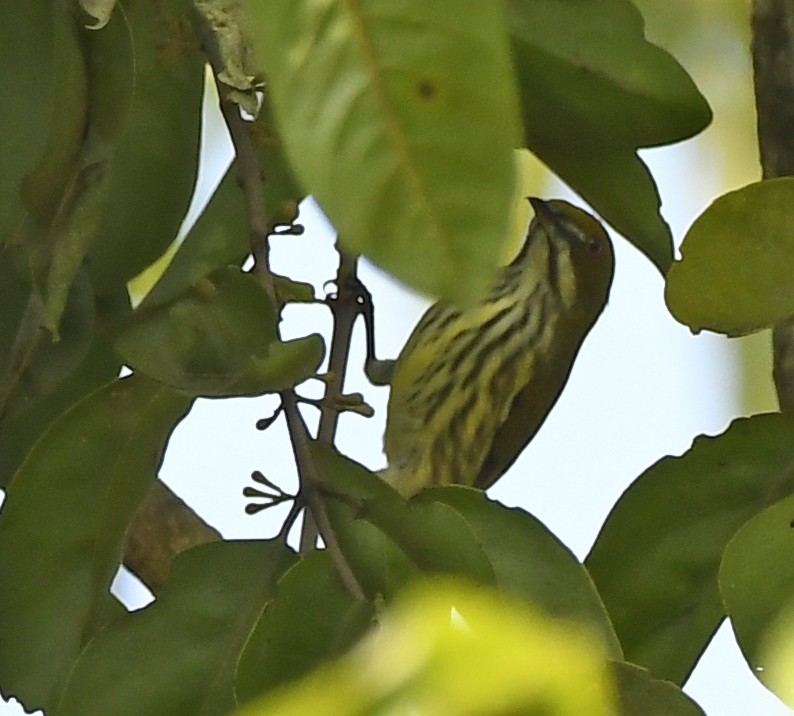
[[300, 437], [345, 306]]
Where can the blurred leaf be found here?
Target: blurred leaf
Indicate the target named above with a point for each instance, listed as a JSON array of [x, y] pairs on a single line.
[[313, 618], [42, 116], [83, 481], [777, 653], [757, 584], [640, 694], [153, 159], [593, 91], [219, 340], [448, 649], [414, 165], [656, 559], [737, 260], [185, 645]]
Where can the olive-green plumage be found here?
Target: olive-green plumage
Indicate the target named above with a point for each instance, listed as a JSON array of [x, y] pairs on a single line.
[[472, 386]]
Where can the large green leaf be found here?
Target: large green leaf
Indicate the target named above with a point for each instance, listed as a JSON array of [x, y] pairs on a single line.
[[400, 116], [737, 261], [594, 90], [152, 150], [218, 340], [656, 560], [459, 531], [40, 377], [312, 619], [67, 192], [757, 584], [529, 561], [390, 541], [184, 647], [42, 116], [62, 527]]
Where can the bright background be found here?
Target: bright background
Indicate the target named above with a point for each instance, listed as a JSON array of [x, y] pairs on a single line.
[[643, 387]]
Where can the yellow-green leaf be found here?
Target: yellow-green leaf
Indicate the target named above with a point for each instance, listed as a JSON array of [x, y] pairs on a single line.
[[737, 262]]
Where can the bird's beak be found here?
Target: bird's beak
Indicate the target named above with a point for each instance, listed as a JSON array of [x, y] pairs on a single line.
[[542, 210]]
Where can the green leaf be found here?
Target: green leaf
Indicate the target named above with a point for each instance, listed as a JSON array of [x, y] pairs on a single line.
[[219, 340], [529, 561], [312, 619], [456, 531], [184, 647], [656, 559], [33, 363], [737, 260], [594, 90], [219, 238], [414, 162], [59, 374], [66, 194], [757, 584], [62, 526], [411, 538], [42, 116], [153, 153], [453, 649], [640, 694]]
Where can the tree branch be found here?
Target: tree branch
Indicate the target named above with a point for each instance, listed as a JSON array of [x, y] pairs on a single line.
[[252, 182], [773, 64], [345, 308], [300, 437]]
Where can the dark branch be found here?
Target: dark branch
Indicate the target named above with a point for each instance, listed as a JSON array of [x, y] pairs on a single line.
[[773, 63], [300, 437]]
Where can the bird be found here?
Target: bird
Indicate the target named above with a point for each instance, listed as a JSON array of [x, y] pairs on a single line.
[[473, 385]]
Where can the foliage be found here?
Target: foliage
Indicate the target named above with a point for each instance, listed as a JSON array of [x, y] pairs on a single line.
[[401, 117]]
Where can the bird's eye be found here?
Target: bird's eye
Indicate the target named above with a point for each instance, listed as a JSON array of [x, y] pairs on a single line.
[[594, 246]]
